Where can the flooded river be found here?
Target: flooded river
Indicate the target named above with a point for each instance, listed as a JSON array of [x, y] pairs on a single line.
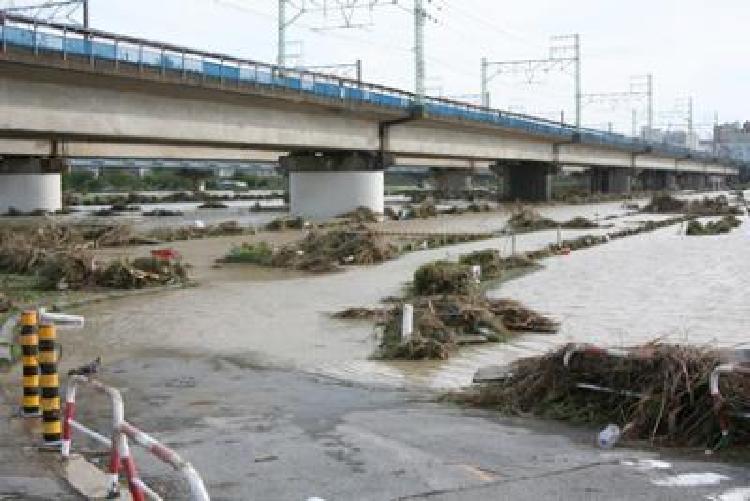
[[659, 284]]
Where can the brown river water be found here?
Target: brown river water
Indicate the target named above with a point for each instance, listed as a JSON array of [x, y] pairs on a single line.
[[660, 284]]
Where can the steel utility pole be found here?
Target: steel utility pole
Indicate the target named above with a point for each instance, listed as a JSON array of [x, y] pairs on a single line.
[[281, 42], [650, 80], [86, 14], [564, 50], [689, 136], [577, 50], [644, 84], [483, 91], [419, 73]]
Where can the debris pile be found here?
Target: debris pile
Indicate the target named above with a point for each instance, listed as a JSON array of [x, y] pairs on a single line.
[[444, 277], [59, 257], [286, 223], [318, 251], [448, 311], [444, 322], [527, 219], [141, 272], [517, 317], [723, 225], [492, 265], [424, 210], [191, 232], [424, 241], [656, 392], [667, 204], [579, 223], [212, 204], [163, 213], [361, 215], [375, 314]]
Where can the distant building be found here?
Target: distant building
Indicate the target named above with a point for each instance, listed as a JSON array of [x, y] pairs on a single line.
[[733, 140]]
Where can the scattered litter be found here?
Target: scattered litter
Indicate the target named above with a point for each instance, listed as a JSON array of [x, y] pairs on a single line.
[[608, 437]]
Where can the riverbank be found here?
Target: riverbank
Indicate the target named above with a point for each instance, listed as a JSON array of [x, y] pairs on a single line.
[[252, 361]]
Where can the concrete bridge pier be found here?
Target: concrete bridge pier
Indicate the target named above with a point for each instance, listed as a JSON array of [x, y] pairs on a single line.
[[716, 183], [328, 184], [610, 180], [525, 180], [29, 183], [692, 181], [453, 182], [659, 180]]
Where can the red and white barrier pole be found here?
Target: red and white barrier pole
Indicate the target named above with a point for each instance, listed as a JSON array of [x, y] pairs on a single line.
[[68, 416], [197, 488], [120, 458]]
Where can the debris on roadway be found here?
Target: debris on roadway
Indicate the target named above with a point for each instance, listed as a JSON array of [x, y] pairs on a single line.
[[655, 392]]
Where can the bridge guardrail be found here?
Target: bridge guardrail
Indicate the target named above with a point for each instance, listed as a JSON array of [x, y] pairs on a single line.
[[120, 50]]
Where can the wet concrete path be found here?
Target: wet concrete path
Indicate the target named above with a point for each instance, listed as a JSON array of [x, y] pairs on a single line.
[[270, 434]]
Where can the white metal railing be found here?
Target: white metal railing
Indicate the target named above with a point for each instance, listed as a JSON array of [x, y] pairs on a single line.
[[120, 458]]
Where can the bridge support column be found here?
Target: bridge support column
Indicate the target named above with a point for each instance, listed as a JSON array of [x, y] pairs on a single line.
[[324, 185], [451, 182], [524, 180], [692, 181], [659, 180], [610, 180], [620, 181], [28, 184], [716, 182]]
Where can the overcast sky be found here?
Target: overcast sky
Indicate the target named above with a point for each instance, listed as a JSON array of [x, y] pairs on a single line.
[[695, 48]]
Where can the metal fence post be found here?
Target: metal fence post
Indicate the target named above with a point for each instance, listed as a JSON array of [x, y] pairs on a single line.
[[50, 385], [30, 346]]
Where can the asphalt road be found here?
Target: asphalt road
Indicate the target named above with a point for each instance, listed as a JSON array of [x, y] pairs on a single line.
[[258, 433]]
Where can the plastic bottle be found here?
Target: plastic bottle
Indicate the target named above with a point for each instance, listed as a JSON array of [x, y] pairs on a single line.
[[608, 437]]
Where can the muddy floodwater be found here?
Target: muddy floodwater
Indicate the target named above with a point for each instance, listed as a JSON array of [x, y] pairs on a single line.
[[655, 285]]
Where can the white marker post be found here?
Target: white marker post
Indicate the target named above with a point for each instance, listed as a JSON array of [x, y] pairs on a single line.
[[407, 322], [476, 273]]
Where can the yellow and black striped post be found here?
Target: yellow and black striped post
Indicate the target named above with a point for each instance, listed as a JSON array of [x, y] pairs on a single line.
[[30, 351], [50, 384]]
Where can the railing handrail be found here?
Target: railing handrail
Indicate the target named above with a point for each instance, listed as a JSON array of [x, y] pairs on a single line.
[[569, 131], [122, 430]]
